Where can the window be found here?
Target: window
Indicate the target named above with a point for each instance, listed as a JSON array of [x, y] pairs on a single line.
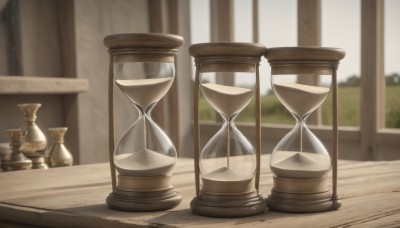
[[340, 27], [392, 63]]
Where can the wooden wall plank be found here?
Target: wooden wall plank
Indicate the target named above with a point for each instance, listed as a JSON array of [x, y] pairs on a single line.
[[222, 30], [158, 22], [40, 38], [181, 96], [372, 77], [13, 37], [94, 19], [222, 27], [66, 22], [41, 85], [309, 34]]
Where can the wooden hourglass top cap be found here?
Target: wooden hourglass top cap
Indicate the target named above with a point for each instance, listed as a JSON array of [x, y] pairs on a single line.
[[143, 41], [289, 54], [227, 49]]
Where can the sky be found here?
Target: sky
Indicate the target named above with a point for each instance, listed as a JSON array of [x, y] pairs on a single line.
[[340, 27]]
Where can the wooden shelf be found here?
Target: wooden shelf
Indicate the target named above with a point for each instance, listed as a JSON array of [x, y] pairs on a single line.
[[41, 85]]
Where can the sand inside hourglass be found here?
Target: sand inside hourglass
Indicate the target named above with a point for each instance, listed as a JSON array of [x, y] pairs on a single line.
[[228, 174], [228, 180], [144, 163], [144, 92], [229, 101], [291, 164], [300, 99]]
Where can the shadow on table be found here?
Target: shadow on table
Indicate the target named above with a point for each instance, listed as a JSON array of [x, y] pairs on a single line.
[[185, 217], [177, 217], [101, 214]]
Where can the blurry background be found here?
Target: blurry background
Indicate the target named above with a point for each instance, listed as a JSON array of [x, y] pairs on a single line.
[[63, 40]]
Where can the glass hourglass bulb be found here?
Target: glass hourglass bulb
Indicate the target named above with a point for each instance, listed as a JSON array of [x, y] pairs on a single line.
[[300, 154], [228, 156], [144, 149]]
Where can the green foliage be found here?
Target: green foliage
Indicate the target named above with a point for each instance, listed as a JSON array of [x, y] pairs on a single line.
[[393, 79], [348, 107], [206, 112], [393, 107], [272, 111], [351, 81], [393, 118]]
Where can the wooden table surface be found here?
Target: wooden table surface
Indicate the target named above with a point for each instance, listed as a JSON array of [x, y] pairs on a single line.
[[75, 197]]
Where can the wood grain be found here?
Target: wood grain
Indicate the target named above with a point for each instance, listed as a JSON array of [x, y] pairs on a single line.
[[75, 196], [42, 85]]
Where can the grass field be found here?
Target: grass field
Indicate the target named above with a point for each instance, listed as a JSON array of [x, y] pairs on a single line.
[[349, 109]]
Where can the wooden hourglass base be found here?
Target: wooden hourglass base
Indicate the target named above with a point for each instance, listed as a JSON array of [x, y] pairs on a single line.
[[301, 196], [228, 206], [143, 194], [143, 201]]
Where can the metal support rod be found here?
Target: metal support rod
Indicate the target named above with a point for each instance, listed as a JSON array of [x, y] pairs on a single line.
[[111, 123], [196, 131], [258, 129], [335, 135]]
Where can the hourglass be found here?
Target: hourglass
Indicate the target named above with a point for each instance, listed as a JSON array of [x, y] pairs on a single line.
[[142, 70], [229, 165], [302, 78]]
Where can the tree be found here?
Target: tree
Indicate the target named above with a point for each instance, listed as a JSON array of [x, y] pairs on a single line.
[[351, 81], [393, 79]]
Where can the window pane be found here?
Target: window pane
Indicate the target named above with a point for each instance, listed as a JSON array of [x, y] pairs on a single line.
[[200, 21], [341, 28], [392, 62], [243, 30], [277, 28]]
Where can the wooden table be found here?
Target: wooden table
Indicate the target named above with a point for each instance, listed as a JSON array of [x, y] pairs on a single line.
[[75, 197]]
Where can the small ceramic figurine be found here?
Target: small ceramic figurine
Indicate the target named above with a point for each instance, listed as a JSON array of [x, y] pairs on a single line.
[[35, 142], [16, 160], [59, 155]]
